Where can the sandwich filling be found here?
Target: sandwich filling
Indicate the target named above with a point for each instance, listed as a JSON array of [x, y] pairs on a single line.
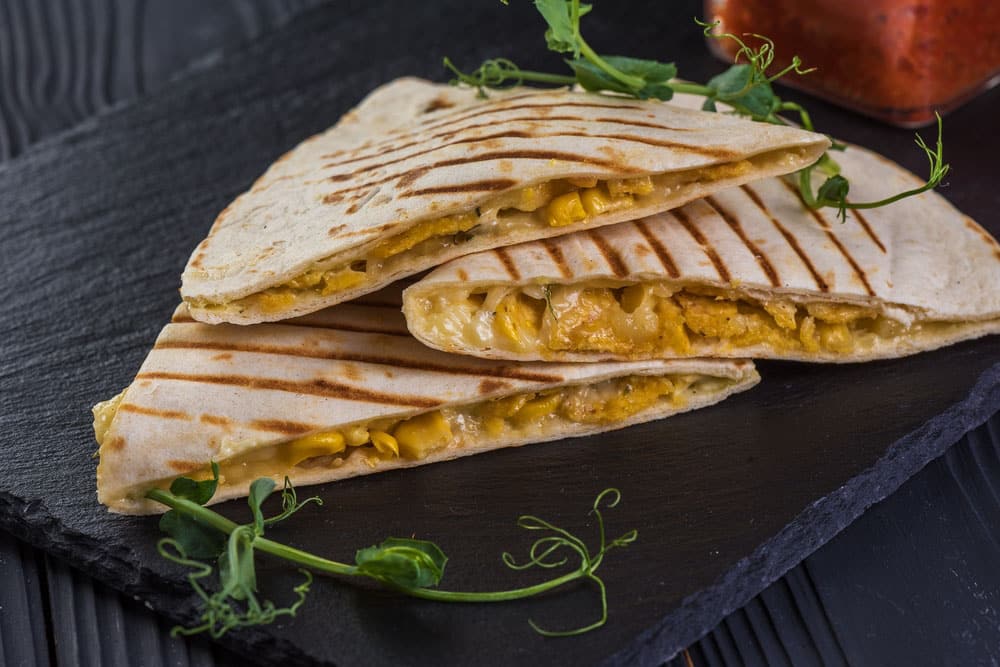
[[654, 319], [517, 418], [558, 203]]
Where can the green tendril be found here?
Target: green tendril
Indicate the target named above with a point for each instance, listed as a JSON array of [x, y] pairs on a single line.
[[744, 89], [410, 566], [833, 192]]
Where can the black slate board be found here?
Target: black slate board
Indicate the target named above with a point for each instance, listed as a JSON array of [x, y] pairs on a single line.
[[106, 215]]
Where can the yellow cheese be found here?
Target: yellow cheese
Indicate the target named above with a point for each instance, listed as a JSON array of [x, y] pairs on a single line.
[[645, 318], [104, 414], [446, 226]]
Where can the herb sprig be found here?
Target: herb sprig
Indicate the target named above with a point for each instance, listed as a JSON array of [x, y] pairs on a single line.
[[745, 88], [409, 566]]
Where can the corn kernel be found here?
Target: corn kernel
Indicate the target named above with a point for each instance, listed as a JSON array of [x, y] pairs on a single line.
[[385, 443], [537, 408], [642, 185], [565, 210], [420, 435], [356, 435], [274, 300], [595, 201], [318, 444]]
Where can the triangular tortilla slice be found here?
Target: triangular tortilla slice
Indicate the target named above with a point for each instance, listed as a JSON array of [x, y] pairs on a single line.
[[421, 173], [747, 272], [347, 391]]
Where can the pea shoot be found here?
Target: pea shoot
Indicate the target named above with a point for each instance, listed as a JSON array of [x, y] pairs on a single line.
[[744, 89], [198, 535]]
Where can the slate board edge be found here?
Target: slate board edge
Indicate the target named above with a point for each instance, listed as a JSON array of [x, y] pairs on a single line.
[[699, 613], [812, 528]]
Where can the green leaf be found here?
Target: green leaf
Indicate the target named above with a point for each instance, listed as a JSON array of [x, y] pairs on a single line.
[[655, 76], [708, 105], [197, 492], [260, 489], [561, 35], [403, 562], [835, 189], [592, 78], [741, 87], [195, 538]]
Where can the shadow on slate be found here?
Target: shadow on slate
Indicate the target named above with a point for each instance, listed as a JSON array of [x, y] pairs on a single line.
[[99, 222]]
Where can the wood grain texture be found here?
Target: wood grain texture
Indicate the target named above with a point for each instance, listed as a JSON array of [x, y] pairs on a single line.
[[63, 61], [147, 267]]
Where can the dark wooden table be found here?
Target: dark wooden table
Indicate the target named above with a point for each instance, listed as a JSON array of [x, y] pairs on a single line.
[[912, 581]]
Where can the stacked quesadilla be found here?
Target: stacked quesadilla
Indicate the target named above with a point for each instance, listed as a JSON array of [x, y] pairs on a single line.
[[553, 218], [421, 173], [347, 391], [746, 272]]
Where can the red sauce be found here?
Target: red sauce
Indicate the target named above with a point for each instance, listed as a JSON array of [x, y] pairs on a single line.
[[897, 60]]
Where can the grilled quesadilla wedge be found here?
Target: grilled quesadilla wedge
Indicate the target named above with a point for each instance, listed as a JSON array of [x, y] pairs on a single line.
[[422, 173], [747, 272], [347, 391]]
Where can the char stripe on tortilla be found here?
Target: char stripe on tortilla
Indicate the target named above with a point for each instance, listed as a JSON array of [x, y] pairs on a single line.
[[393, 189], [324, 404], [744, 272]]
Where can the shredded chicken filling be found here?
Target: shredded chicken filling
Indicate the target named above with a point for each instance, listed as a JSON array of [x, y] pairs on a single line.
[[650, 318], [555, 204]]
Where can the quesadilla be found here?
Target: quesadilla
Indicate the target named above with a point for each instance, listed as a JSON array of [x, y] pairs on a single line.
[[347, 391], [422, 173], [746, 272]]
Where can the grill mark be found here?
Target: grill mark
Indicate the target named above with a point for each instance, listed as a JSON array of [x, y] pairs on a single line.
[[450, 368], [696, 234], [719, 153], [217, 420], [153, 412], [734, 224], [319, 387], [611, 256], [498, 124], [340, 326], [789, 238], [821, 221], [488, 185], [868, 230], [557, 256], [520, 107], [661, 252], [444, 120], [282, 426], [485, 157], [457, 114], [508, 263], [512, 134]]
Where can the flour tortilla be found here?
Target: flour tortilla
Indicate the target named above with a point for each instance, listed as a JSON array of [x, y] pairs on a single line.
[[213, 392], [918, 261], [415, 151]]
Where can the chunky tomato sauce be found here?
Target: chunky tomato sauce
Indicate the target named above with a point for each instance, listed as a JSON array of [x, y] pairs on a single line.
[[897, 60]]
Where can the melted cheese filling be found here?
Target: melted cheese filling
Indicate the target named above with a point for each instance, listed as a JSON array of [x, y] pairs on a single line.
[[648, 319], [554, 204], [525, 416]]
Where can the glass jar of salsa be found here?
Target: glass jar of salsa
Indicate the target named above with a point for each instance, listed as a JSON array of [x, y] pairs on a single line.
[[896, 60]]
